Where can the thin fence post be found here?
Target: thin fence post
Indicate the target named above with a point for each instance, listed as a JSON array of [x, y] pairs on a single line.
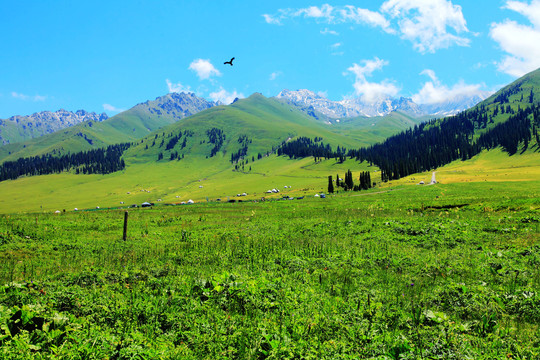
[[125, 225]]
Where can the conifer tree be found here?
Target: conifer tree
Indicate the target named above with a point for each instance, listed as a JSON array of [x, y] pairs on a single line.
[[330, 185]]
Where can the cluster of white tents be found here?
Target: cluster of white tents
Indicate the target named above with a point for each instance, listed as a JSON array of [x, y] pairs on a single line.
[[190, 201]]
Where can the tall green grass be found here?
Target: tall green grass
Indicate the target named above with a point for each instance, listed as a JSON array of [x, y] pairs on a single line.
[[445, 271]]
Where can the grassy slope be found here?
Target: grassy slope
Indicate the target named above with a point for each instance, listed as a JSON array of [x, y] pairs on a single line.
[[267, 122], [518, 97], [9, 131], [166, 180], [137, 123], [368, 130], [128, 126]]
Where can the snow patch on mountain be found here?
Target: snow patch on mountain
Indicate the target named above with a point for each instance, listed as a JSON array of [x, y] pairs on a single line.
[[312, 103]]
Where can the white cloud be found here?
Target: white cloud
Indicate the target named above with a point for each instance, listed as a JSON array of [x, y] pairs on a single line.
[[20, 96], [204, 69], [323, 12], [274, 75], [532, 11], [434, 92], [111, 108], [327, 31], [365, 16], [370, 91], [272, 19], [429, 24], [177, 88], [520, 42], [224, 96], [431, 74], [335, 47], [323, 94]]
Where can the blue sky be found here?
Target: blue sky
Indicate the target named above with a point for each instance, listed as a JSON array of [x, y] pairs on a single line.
[[110, 55]]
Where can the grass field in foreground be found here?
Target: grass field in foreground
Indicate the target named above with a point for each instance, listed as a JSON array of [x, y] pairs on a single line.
[[445, 271]]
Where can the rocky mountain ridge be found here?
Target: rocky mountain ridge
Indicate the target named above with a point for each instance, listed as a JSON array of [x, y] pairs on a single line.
[[17, 128], [61, 118], [314, 104], [177, 105]]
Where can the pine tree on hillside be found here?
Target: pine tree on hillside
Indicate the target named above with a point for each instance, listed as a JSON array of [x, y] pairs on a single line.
[[330, 185], [349, 182]]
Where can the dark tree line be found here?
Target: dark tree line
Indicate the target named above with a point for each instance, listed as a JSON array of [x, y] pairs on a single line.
[[98, 161], [348, 182], [244, 142], [216, 137], [365, 181], [437, 143], [173, 141], [303, 147]]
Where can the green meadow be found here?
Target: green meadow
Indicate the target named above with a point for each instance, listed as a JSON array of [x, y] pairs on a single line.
[[402, 271], [192, 178], [448, 271], [198, 178]]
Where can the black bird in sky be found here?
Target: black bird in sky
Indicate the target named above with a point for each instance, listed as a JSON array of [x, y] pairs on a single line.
[[229, 62]]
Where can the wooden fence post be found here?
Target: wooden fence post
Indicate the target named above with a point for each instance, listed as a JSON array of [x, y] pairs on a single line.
[[125, 225]]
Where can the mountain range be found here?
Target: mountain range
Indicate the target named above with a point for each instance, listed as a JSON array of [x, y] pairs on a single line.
[[127, 126], [320, 107], [19, 128], [352, 121], [173, 107]]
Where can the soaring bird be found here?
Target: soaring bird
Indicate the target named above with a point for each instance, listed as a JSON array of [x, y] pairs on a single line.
[[229, 62]]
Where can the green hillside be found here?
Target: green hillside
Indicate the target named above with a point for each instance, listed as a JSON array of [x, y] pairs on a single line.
[[124, 127], [500, 106], [264, 122], [376, 129], [257, 124], [503, 131], [10, 132], [144, 118], [21, 128], [228, 150], [127, 126]]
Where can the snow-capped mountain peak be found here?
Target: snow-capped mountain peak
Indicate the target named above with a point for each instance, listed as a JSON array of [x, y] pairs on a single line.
[[312, 103]]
